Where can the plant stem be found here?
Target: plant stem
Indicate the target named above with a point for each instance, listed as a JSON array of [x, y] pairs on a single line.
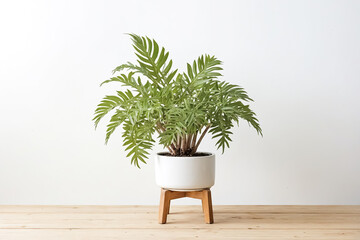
[[178, 141], [200, 139], [194, 141], [188, 141], [183, 143], [173, 146]]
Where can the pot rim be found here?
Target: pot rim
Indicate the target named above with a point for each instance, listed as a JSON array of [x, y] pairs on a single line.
[[210, 155]]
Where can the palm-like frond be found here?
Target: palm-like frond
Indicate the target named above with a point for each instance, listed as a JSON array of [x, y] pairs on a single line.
[[138, 142], [106, 105], [180, 107], [153, 60], [204, 69]]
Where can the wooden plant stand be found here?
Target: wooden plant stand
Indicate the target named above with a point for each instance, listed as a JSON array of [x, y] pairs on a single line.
[[168, 195]]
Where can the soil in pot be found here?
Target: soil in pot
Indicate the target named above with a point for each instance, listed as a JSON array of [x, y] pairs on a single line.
[[197, 154]]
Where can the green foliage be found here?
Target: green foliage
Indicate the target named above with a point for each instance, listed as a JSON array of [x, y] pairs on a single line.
[[180, 107]]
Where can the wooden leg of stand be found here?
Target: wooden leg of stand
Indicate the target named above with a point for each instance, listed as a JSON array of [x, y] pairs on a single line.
[[164, 205], [207, 205], [202, 205]]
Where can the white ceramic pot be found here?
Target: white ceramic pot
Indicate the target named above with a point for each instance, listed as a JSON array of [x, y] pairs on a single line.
[[185, 173]]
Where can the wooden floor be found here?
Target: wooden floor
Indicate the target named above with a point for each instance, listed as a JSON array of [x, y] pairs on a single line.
[[184, 222]]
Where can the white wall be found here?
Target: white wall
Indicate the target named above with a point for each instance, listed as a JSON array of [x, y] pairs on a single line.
[[299, 60]]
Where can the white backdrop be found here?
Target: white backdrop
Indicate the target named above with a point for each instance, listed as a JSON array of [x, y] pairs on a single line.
[[299, 60]]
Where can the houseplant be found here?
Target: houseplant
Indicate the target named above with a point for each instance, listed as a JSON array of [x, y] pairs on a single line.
[[180, 108]]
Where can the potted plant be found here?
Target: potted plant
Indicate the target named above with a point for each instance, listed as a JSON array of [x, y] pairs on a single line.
[[178, 108]]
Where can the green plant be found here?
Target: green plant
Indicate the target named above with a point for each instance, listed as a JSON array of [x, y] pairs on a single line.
[[180, 107]]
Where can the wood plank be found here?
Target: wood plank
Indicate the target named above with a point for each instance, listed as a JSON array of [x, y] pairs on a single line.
[[176, 234], [180, 219], [184, 222], [273, 209]]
